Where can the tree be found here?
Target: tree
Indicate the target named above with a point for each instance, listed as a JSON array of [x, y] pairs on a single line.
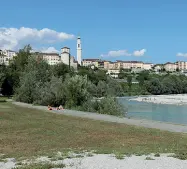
[[114, 88], [32, 79], [2, 74], [76, 90], [101, 89], [129, 81], [21, 60], [61, 69], [7, 89], [154, 86], [122, 75]]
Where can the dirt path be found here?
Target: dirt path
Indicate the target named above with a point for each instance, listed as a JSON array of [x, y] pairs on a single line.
[[114, 119]]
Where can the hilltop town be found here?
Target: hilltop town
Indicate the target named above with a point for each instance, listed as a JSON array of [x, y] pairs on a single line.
[[112, 68]]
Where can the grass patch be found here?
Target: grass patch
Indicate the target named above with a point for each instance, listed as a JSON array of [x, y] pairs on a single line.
[[30, 132], [180, 155], [119, 155], [41, 166], [3, 160], [149, 158], [79, 156]]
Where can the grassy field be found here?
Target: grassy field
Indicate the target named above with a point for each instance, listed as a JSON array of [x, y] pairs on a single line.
[[28, 132]]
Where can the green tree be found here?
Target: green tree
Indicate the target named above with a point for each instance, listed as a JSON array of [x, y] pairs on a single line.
[[129, 82], [76, 90], [21, 60], [61, 70], [154, 86], [32, 78], [102, 89], [114, 87]]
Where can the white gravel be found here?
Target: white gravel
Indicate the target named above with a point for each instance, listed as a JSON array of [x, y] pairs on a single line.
[[179, 99], [103, 161], [134, 162], [8, 164]]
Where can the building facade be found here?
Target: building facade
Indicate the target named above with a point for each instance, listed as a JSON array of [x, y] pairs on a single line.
[[147, 66], [113, 72], [65, 55], [157, 68], [90, 62], [6, 56], [181, 65], [170, 67], [51, 58]]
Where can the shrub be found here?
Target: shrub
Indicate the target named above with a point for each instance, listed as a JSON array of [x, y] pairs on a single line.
[[106, 105], [157, 155], [181, 155], [76, 91], [110, 106]]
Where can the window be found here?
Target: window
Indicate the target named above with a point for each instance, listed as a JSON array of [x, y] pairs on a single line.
[[78, 45]]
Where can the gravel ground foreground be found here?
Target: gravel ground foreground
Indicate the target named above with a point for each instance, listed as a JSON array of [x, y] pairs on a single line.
[[134, 162], [103, 161], [114, 119]]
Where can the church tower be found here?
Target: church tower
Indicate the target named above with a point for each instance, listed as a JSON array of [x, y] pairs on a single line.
[[79, 51]]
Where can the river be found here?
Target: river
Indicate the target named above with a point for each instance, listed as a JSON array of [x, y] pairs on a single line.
[[158, 112]]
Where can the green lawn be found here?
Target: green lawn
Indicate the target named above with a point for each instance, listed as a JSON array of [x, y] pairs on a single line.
[[28, 132]]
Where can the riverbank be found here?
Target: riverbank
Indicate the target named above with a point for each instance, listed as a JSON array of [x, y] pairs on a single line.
[[108, 118], [179, 99], [28, 132]]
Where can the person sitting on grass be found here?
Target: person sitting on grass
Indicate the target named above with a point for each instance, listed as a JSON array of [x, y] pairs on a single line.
[[49, 107], [60, 107]]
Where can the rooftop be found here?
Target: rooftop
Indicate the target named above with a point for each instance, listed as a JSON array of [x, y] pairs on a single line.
[[129, 61], [65, 47], [91, 60], [169, 63], [55, 54]]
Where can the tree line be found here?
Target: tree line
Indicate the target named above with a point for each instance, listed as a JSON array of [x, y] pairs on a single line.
[[31, 80]]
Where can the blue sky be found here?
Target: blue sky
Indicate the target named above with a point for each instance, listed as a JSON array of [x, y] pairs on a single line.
[[133, 29]]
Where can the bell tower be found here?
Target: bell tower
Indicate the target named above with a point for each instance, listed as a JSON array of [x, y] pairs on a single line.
[[79, 51]]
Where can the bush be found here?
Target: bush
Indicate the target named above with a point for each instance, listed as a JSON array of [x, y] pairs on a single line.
[[110, 106], [76, 91], [106, 105], [90, 106]]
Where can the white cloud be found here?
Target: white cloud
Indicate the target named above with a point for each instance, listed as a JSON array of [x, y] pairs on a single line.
[[49, 50], [139, 52], [182, 54], [13, 38], [118, 53]]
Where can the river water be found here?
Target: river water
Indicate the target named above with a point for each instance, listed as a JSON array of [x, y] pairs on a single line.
[[158, 112]]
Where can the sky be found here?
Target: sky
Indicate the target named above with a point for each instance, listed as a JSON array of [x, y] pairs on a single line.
[[143, 30]]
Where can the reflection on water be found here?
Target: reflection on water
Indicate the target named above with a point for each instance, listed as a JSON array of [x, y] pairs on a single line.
[[158, 112]]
